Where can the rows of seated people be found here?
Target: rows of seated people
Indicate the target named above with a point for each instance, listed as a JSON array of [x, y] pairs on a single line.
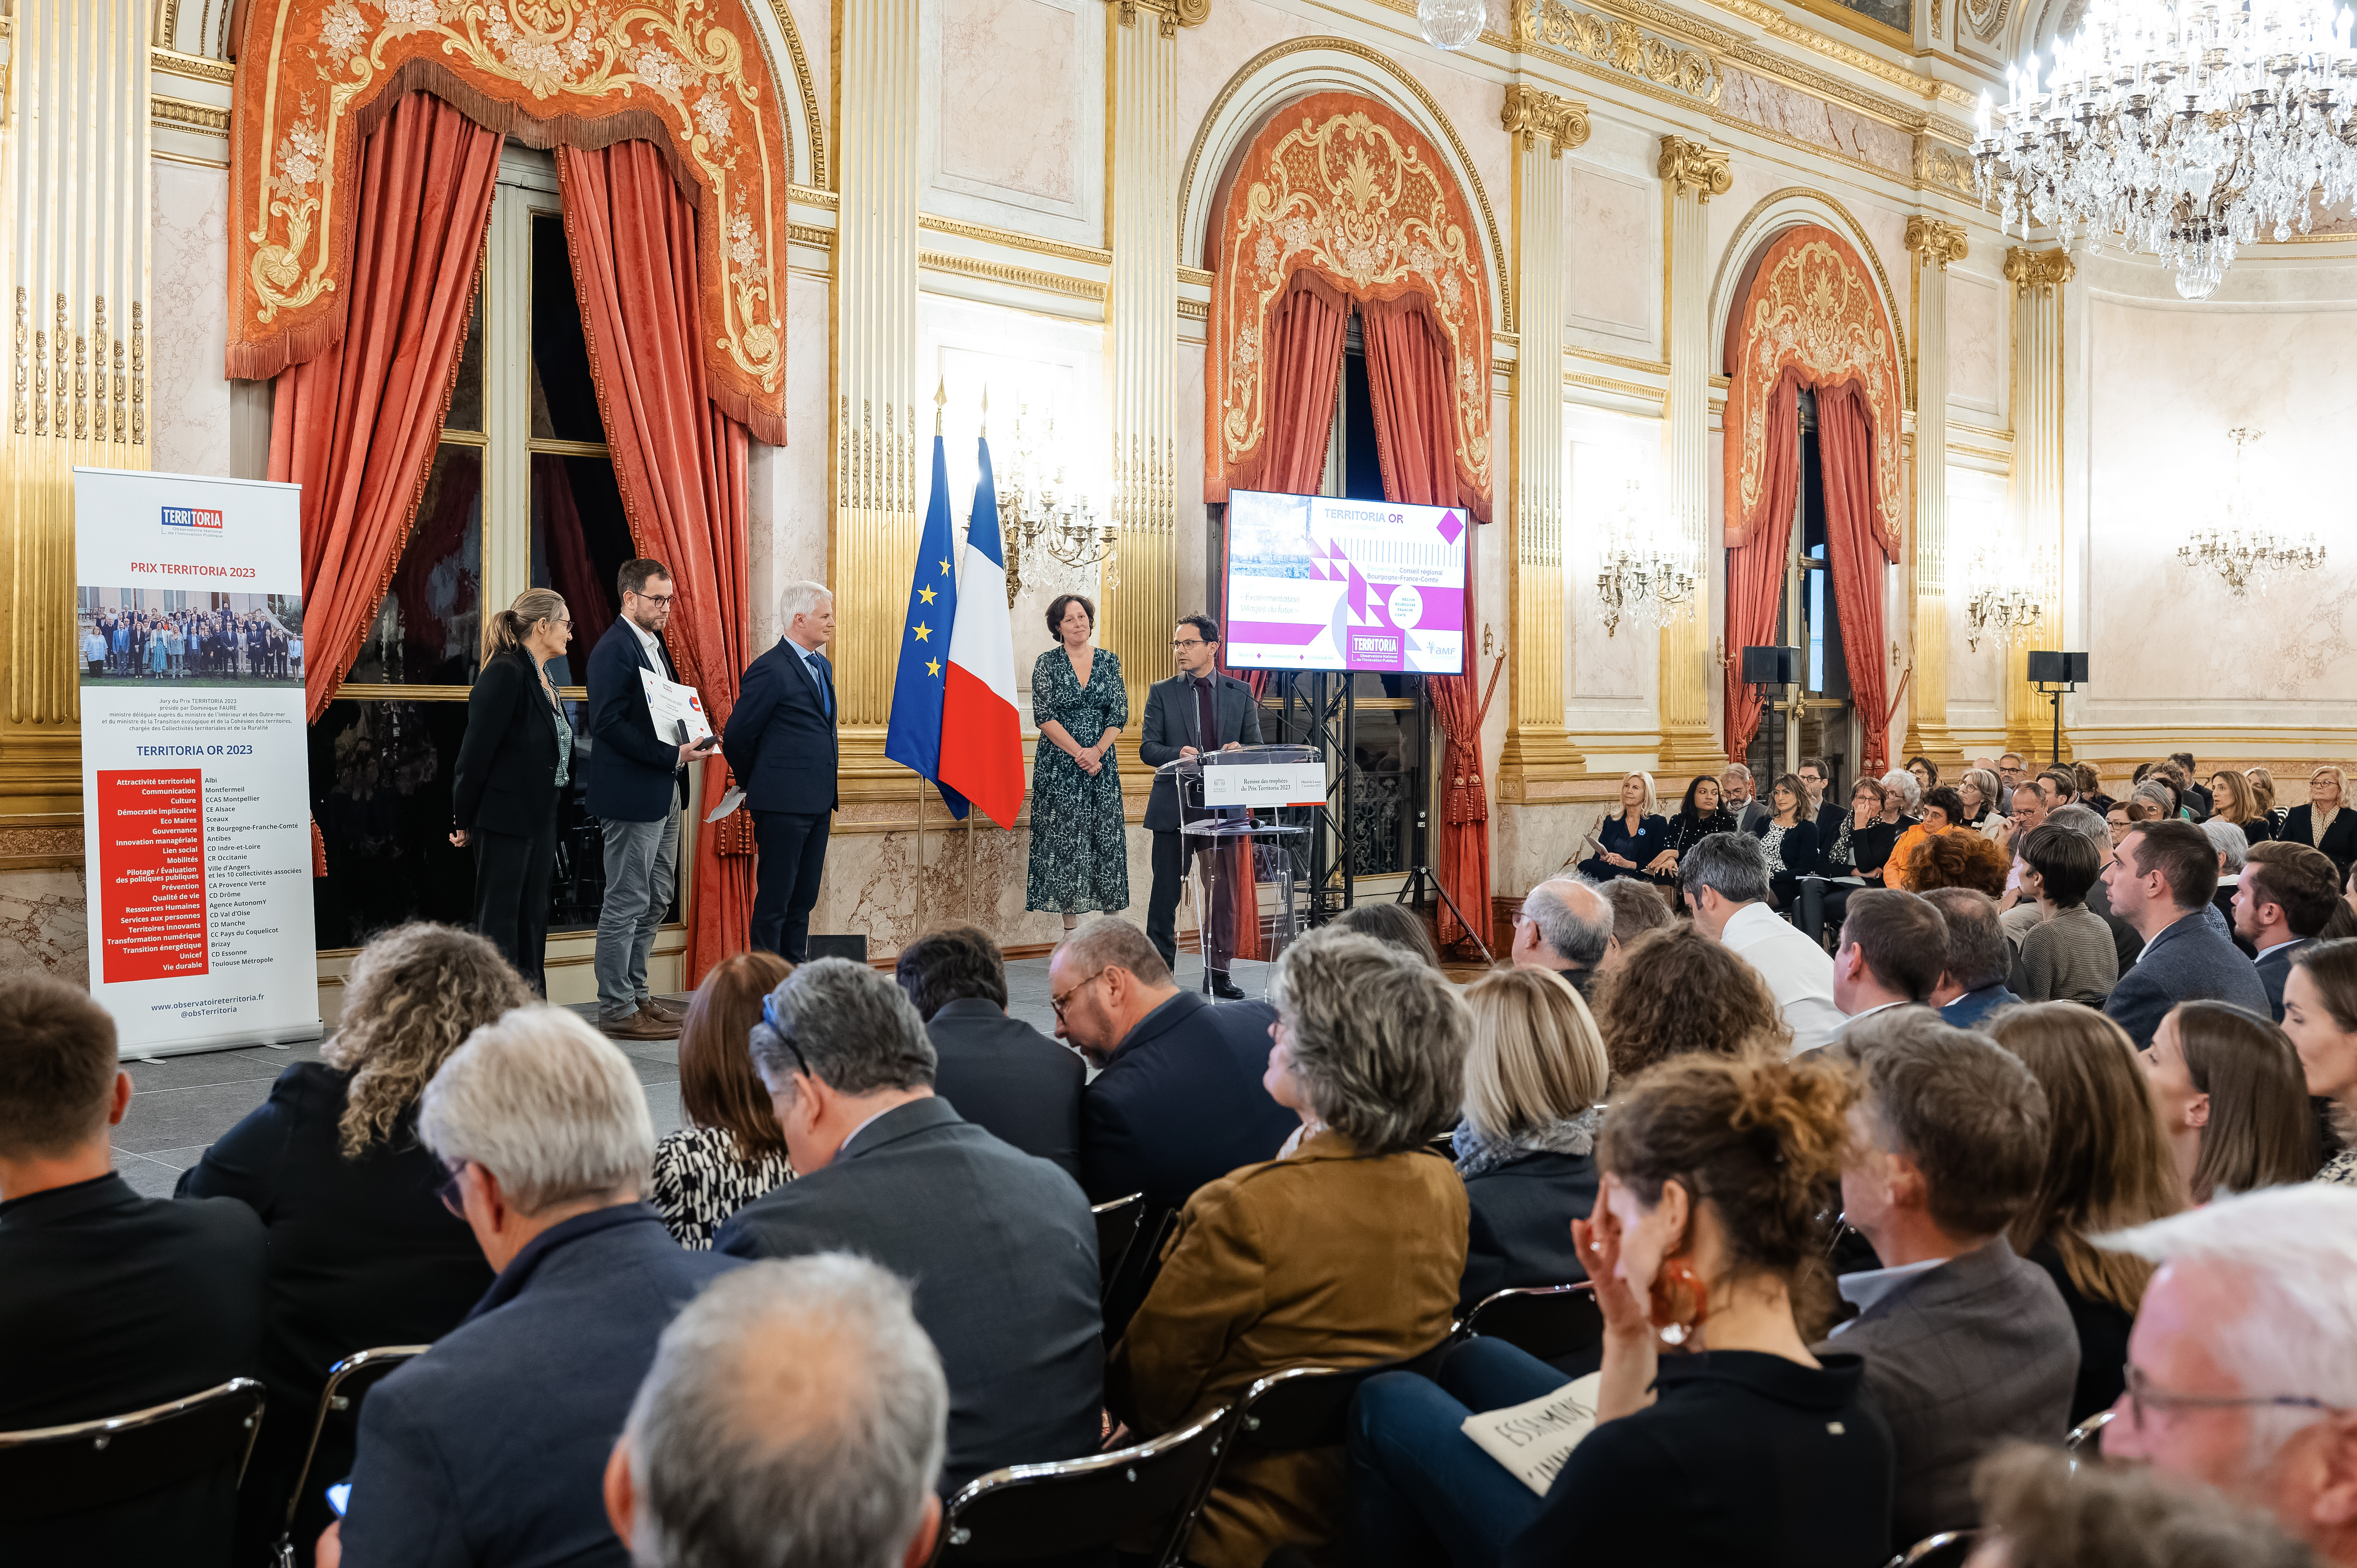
[[1855, 1233]]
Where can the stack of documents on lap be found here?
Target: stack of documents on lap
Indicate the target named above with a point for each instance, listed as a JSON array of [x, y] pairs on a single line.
[[1533, 1440]]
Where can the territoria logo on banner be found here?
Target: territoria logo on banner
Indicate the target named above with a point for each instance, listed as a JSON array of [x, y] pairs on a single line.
[[191, 516]]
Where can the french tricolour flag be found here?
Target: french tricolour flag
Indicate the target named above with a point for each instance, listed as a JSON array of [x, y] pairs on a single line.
[[982, 733]]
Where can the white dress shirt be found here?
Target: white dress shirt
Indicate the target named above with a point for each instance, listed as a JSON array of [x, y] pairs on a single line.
[[1798, 972], [647, 640]]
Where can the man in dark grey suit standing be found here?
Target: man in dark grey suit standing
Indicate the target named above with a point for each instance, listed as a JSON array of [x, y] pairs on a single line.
[[1195, 711]]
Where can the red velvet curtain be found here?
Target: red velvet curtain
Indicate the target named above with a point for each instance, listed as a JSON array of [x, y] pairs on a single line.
[[679, 461], [1855, 553], [571, 572], [1408, 383], [356, 427], [1755, 569]]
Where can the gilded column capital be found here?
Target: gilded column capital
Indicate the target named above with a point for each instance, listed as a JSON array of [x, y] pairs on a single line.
[[1695, 167], [1936, 243], [2027, 269], [1170, 14], [1531, 114]]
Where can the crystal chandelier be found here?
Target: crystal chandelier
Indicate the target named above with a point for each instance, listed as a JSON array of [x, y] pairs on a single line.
[[2243, 552], [2178, 130], [2006, 595], [1039, 510], [1450, 24], [1640, 580]]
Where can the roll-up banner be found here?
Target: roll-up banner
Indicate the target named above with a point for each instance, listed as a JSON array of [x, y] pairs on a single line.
[[196, 805]]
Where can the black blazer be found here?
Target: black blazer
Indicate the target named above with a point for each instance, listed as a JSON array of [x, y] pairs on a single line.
[[361, 1254], [1180, 1104], [1009, 1080], [634, 774], [2340, 839], [1796, 852], [492, 1446], [505, 778], [1521, 1225], [1003, 1252], [113, 1303], [1173, 721], [2102, 1339], [2274, 968], [781, 738]]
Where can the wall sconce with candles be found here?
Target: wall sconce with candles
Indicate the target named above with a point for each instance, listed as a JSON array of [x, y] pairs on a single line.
[[1038, 510]]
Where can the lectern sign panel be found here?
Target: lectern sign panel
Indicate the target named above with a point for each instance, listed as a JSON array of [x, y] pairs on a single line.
[[1266, 784]]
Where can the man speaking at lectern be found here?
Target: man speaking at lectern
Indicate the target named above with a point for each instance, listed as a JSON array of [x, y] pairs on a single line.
[[1180, 713]]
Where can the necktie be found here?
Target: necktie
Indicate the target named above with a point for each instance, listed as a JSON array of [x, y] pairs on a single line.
[[817, 669]]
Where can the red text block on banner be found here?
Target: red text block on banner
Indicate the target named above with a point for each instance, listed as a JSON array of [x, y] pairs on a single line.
[[151, 881]]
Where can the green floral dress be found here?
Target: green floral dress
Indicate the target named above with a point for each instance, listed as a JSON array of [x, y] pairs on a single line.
[[1079, 856]]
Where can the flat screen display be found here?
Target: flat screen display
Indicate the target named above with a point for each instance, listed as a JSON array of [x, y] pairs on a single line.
[[1319, 583]]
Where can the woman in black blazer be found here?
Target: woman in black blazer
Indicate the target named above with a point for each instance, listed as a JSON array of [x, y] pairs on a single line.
[[2327, 822], [363, 1252], [1791, 840], [512, 769]]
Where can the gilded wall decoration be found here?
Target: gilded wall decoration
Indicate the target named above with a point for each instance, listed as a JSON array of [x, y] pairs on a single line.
[[1813, 307], [688, 75], [1343, 189], [1623, 46]]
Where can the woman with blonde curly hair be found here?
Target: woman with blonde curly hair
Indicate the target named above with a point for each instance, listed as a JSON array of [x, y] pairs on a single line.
[[362, 1252]]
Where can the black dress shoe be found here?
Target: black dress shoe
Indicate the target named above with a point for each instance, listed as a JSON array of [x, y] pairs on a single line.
[[1225, 989]]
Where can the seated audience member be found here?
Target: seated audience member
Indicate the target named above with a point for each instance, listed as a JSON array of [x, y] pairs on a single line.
[[1564, 926], [2030, 808], [2263, 793], [2243, 1366], [1980, 792], [1942, 809], [1000, 1244], [2182, 772], [2234, 853], [2107, 1168], [1741, 797], [2288, 894], [731, 1151], [2091, 787], [1003, 1074], [793, 1419], [1638, 908], [1726, 887], [1535, 1076], [1959, 859], [1630, 839], [2044, 1509], [489, 1448], [1926, 773], [2059, 785], [1860, 846], [1397, 924], [1966, 1342], [2068, 954], [2009, 774], [1893, 950], [2230, 1094], [1826, 809], [1746, 1445], [1348, 1252], [1699, 815], [1681, 991], [2160, 883], [1789, 839], [1180, 1102], [2326, 821], [2233, 801], [1972, 974], [112, 1302], [2321, 1018], [361, 1251], [2126, 940]]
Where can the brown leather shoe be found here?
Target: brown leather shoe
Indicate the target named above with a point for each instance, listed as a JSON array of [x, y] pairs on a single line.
[[664, 1007], [638, 1024]]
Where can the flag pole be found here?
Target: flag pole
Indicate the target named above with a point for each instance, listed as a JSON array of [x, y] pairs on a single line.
[[940, 409]]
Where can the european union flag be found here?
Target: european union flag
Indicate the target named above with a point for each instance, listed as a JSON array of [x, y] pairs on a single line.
[[913, 737]]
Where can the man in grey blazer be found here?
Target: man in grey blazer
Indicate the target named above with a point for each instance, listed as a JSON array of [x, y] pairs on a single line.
[[1966, 1344], [2161, 881], [1000, 1247], [1195, 711], [1741, 796]]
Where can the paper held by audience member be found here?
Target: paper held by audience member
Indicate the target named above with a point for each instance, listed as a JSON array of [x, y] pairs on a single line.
[[728, 802], [671, 705], [1533, 1440]]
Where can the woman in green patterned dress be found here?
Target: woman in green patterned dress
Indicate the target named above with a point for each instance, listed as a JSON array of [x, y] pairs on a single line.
[[1079, 856]]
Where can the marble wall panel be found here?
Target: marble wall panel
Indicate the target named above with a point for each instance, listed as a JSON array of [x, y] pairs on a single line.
[[1977, 520], [1009, 99], [1812, 122], [788, 484], [187, 318], [1976, 344], [1613, 675], [43, 924], [1534, 843], [1612, 241]]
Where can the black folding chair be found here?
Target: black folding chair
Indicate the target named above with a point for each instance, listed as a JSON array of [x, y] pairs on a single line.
[[1117, 1227], [1949, 1549], [1548, 1321], [348, 1381], [1138, 1271], [50, 1471], [1029, 1511]]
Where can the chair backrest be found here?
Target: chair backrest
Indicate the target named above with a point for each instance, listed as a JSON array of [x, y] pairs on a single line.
[[348, 1381], [1029, 1511], [1949, 1549], [90, 1464], [1306, 1407], [1548, 1321], [1128, 1290], [2086, 1438], [1118, 1228]]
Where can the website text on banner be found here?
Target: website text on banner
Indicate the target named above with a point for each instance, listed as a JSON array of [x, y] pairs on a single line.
[[196, 815], [1320, 583]]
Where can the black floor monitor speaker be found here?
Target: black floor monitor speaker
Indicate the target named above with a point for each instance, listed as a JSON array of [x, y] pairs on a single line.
[[1770, 666], [2048, 668], [853, 947]]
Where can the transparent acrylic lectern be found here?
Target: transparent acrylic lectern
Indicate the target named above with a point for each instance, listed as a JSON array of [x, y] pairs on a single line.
[[1243, 813]]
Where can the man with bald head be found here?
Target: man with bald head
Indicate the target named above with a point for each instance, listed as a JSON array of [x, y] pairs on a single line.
[[1565, 924]]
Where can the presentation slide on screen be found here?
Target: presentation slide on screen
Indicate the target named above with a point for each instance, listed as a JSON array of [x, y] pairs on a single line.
[[1315, 583], [196, 814]]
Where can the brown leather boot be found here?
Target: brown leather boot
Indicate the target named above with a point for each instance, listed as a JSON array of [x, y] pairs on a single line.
[[664, 1007], [638, 1024]]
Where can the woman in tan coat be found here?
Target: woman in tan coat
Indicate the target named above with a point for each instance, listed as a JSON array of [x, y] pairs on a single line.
[[1346, 1253]]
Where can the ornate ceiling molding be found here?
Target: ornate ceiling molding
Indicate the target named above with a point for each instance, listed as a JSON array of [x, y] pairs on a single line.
[[1531, 114], [1552, 27]]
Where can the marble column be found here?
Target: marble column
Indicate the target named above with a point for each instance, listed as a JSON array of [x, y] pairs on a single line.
[[1690, 174], [878, 498], [1537, 750], [2038, 279], [1934, 245]]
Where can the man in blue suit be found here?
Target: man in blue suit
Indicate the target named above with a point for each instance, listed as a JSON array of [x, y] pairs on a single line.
[[637, 782], [2161, 880], [781, 743], [1972, 978]]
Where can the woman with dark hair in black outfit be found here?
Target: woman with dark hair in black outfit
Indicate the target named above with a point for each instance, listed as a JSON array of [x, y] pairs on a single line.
[[1703, 814], [1790, 839]]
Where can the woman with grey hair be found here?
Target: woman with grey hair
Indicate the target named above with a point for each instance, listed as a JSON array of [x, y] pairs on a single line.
[[1347, 1251], [1981, 793]]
